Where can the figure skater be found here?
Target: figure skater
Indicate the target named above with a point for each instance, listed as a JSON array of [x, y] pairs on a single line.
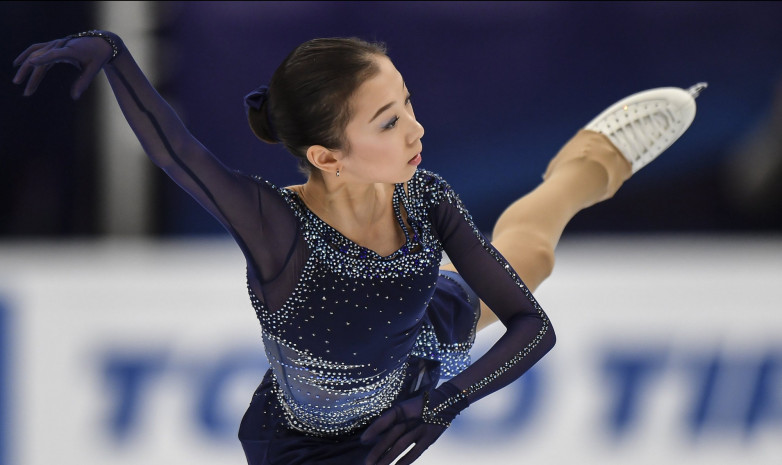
[[358, 320]]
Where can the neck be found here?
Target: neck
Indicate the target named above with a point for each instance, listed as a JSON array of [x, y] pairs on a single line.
[[344, 204]]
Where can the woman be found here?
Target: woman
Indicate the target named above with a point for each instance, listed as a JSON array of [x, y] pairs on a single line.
[[358, 320]]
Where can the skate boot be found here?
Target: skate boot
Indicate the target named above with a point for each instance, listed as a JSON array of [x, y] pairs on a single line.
[[643, 125]]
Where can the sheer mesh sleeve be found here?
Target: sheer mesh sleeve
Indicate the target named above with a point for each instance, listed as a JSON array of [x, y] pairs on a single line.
[[529, 335], [249, 208]]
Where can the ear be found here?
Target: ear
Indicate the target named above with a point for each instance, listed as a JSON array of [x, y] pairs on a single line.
[[326, 160]]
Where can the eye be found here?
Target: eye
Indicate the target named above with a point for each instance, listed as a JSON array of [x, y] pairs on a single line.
[[391, 124]]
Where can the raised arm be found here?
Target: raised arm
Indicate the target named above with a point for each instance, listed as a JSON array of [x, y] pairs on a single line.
[[226, 194]]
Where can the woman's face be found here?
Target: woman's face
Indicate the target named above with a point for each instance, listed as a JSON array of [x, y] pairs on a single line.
[[383, 134]]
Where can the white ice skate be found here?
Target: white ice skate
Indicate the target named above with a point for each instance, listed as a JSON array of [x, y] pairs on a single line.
[[643, 125]]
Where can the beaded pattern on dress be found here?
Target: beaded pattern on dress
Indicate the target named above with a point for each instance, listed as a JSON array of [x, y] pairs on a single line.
[[327, 392], [324, 392]]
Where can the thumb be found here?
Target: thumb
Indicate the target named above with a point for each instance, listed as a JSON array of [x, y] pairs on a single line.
[[84, 80]]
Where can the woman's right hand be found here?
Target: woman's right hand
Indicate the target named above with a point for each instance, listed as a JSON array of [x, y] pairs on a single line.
[[88, 54], [399, 428]]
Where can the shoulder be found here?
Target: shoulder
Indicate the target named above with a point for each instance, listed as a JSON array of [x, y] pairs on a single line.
[[430, 186], [269, 192], [264, 184]]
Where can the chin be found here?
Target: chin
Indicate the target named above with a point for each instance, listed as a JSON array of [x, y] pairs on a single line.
[[399, 178], [410, 174]]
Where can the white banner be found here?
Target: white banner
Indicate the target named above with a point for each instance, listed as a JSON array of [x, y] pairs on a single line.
[[669, 350]]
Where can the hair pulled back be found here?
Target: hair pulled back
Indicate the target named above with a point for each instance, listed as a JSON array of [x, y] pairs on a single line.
[[308, 99]]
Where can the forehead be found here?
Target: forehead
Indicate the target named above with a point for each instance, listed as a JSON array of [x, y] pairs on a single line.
[[381, 89]]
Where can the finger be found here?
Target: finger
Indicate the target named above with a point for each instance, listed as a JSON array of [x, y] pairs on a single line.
[[386, 441], [378, 426], [32, 84], [22, 73], [26, 60], [29, 65], [414, 453], [399, 447], [84, 80], [27, 52], [37, 50], [57, 55]]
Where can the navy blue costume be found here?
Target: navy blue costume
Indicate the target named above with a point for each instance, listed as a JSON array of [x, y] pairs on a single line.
[[349, 333], [346, 330]]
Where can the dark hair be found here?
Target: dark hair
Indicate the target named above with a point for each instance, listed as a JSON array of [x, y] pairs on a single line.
[[308, 100]]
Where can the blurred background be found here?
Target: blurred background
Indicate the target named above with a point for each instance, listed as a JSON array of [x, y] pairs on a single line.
[[126, 335]]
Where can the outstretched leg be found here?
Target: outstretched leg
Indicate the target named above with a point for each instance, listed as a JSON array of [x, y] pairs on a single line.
[[590, 168], [587, 170]]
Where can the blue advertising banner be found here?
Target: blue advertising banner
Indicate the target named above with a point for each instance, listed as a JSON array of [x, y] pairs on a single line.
[[148, 352]]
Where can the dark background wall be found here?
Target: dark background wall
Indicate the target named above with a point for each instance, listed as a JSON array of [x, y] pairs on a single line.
[[499, 87], [47, 150]]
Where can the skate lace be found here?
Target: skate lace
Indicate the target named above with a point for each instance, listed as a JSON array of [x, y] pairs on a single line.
[[643, 135], [643, 129]]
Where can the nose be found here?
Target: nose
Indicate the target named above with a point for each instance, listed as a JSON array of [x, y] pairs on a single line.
[[417, 131]]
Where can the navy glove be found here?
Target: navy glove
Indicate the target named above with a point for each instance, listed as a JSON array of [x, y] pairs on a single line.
[[87, 51], [415, 421]]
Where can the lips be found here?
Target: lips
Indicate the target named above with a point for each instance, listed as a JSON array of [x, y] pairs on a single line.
[[415, 160]]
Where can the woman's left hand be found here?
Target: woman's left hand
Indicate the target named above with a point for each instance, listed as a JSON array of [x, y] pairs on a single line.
[[396, 430]]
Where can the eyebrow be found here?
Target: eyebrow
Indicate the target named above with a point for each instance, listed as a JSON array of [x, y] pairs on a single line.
[[385, 107]]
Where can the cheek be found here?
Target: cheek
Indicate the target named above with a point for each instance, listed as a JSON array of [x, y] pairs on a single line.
[[372, 150]]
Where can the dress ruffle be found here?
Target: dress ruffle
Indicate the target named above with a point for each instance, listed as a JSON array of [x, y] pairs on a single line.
[[449, 332]]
